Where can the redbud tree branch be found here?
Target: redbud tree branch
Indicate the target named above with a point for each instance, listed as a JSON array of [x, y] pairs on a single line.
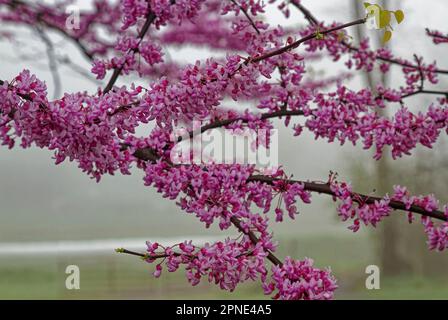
[[271, 257], [324, 188], [321, 188], [314, 21], [155, 256], [144, 255], [307, 13], [282, 113], [13, 4], [311, 36], [235, 221], [248, 17], [314, 187], [52, 61], [117, 70], [147, 154], [423, 91], [435, 35], [224, 122]]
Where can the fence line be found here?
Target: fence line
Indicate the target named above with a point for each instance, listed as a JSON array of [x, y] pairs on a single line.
[[96, 246]]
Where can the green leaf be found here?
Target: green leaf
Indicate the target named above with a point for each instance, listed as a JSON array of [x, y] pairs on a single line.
[[399, 16], [384, 18], [387, 36], [366, 5]]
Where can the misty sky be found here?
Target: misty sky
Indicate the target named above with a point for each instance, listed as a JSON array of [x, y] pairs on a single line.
[[41, 201]]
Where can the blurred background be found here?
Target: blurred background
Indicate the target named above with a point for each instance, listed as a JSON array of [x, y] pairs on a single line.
[[55, 216]]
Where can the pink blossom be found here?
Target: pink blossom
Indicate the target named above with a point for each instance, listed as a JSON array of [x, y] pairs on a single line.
[[299, 280], [437, 36]]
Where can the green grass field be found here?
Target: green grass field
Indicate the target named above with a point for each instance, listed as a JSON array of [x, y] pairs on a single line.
[[118, 276]]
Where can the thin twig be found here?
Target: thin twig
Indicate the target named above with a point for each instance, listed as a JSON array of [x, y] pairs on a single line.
[[237, 223], [307, 13], [304, 39], [52, 62], [84, 50], [117, 71], [357, 197], [313, 20], [247, 16], [225, 122]]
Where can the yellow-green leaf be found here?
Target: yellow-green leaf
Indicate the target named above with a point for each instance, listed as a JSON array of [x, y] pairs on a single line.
[[399, 16], [366, 5], [372, 8], [384, 18], [387, 36]]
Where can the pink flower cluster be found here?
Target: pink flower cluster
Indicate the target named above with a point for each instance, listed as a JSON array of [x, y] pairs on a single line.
[[415, 76], [227, 263], [209, 194], [133, 10], [371, 211], [357, 209], [169, 11], [79, 127], [232, 262], [150, 52], [254, 7], [437, 36], [347, 115], [364, 58], [170, 103], [300, 280], [437, 234], [289, 191], [219, 193], [204, 31], [163, 12]]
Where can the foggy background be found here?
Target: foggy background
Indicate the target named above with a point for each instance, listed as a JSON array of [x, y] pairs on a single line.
[[44, 206]]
